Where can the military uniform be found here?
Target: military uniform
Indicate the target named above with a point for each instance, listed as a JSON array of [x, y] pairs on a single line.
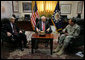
[[73, 31]]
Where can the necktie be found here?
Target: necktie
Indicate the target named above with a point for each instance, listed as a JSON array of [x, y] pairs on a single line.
[[43, 26], [15, 31]]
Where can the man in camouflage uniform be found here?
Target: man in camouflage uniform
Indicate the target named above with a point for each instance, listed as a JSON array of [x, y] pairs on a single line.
[[72, 30]]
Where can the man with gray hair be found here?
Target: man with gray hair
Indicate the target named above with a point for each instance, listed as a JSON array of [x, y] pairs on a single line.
[[43, 25], [14, 32]]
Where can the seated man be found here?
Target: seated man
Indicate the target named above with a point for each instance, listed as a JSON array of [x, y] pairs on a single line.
[[43, 25], [14, 34], [72, 30]]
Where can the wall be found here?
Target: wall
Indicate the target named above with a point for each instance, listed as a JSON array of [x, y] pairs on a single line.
[[82, 15], [72, 14], [73, 11], [21, 13], [6, 9], [73, 8]]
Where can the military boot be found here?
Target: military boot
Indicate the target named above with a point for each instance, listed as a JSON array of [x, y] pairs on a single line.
[[57, 49], [61, 50]]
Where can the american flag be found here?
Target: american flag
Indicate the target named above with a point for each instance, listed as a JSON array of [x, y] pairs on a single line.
[[57, 23], [34, 16]]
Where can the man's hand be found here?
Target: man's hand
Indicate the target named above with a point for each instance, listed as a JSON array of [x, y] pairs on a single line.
[[63, 31], [42, 31], [20, 31], [48, 29], [37, 30], [9, 34], [66, 34]]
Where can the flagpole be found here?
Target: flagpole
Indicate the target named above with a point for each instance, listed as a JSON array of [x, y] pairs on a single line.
[[32, 25], [32, 12], [54, 25], [34, 16], [53, 21]]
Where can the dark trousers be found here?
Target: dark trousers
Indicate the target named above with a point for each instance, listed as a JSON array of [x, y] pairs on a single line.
[[19, 40]]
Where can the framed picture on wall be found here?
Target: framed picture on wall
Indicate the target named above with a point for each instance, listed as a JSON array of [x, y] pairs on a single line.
[[65, 8], [79, 7], [27, 7], [15, 5]]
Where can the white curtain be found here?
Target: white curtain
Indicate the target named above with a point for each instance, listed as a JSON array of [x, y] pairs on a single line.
[[7, 7]]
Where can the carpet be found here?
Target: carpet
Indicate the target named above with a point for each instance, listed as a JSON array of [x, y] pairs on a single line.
[[42, 52]]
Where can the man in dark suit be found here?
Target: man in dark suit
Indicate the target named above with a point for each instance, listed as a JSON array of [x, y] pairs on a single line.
[[15, 34], [44, 26]]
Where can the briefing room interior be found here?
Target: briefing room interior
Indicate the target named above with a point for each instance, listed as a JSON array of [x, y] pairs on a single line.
[[42, 29]]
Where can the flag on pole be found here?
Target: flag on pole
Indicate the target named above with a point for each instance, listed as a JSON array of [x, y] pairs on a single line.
[[57, 22], [34, 16]]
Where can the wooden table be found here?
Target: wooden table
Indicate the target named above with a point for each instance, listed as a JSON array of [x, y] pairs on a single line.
[[46, 37]]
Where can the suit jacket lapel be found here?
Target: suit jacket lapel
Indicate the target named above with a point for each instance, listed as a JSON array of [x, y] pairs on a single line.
[[45, 26], [41, 25], [11, 27]]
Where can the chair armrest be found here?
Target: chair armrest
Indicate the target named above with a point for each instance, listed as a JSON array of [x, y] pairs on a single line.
[[75, 42], [74, 39], [3, 36]]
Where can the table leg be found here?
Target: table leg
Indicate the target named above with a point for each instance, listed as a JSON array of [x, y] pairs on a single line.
[[51, 45], [32, 45]]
